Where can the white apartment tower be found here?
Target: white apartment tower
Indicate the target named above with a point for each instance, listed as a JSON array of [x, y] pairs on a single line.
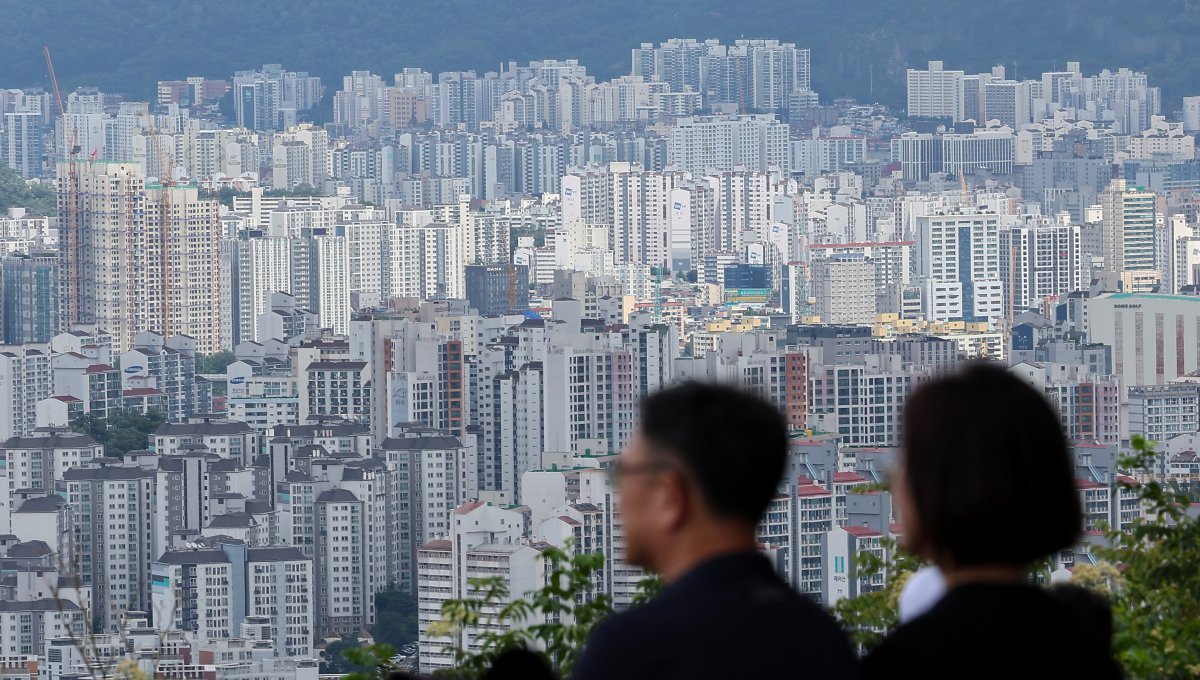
[[935, 92], [1129, 234], [844, 288], [958, 262], [704, 144], [1039, 260]]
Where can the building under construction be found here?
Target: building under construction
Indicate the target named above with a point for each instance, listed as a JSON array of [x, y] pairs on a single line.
[[137, 255]]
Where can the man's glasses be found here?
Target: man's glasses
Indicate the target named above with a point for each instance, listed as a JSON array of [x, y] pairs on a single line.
[[620, 469]]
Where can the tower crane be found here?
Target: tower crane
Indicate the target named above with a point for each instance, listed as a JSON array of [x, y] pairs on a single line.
[[70, 230], [166, 181]]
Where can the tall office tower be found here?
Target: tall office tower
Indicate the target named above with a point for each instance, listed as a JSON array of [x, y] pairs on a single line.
[[113, 536], [935, 93], [1039, 259], [1129, 236], [29, 296], [844, 287], [137, 257], [21, 143], [498, 288], [959, 265], [705, 144]]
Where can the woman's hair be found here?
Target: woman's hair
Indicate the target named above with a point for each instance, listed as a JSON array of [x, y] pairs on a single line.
[[989, 470]]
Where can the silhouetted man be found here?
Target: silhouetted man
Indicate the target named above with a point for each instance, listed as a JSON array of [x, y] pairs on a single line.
[[693, 482]]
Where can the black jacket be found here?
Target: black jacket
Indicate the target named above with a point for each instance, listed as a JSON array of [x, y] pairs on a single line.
[[730, 617], [1002, 631]]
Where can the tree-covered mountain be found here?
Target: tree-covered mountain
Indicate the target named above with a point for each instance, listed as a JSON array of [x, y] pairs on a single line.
[[860, 47]]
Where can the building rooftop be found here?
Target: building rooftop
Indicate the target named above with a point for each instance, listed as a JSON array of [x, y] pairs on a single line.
[[420, 443], [200, 556], [232, 520], [205, 428], [275, 554], [50, 439], [50, 503], [862, 532], [46, 604], [337, 496]]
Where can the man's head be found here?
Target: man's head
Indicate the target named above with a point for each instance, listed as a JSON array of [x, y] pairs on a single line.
[[703, 465]]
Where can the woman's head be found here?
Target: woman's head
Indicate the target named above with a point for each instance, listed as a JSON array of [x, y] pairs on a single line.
[[986, 476]]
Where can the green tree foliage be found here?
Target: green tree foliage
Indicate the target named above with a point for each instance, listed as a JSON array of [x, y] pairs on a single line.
[[123, 431], [214, 363], [369, 662], [869, 617], [348, 656], [395, 617], [15, 192], [555, 619], [1156, 593]]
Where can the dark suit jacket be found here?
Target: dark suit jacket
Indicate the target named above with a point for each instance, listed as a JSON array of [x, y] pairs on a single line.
[[730, 617], [1001, 631]]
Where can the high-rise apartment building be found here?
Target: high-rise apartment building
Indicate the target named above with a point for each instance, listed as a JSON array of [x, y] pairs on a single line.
[[935, 92], [705, 144], [25, 380], [137, 257], [21, 143], [1039, 260], [29, 297], [272, 98], [958, 262], [37, 461], [113, 540], [844, 288], [1129, 236], [300, 158]]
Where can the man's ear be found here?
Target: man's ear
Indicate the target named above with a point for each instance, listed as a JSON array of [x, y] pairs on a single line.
[[676, 503]]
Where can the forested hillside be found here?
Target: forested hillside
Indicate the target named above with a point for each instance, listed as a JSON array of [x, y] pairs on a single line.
[[860, 47]]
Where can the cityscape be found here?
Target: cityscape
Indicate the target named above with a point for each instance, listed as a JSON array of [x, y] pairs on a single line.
[[286, 364]]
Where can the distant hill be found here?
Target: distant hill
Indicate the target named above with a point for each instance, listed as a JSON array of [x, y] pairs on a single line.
[[860, 47]]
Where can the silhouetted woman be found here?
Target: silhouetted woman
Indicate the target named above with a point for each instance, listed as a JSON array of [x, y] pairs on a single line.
[[985, 488]]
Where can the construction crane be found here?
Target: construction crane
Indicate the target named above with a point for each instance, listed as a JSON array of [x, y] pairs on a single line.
[[166, 181], [70, 230]]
